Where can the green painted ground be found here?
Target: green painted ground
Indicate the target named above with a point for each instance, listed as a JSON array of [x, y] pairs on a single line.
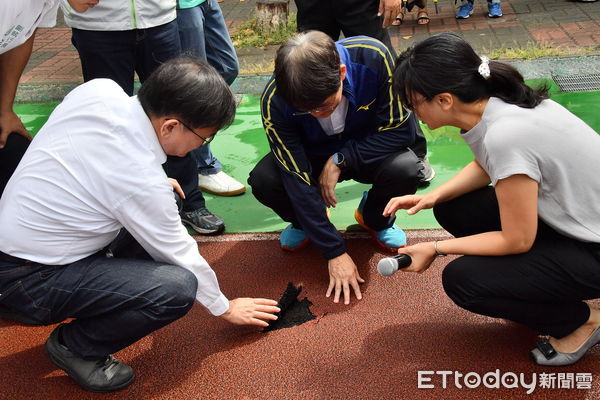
[[242, 145]]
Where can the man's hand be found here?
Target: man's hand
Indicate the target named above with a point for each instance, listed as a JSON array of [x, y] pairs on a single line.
[[176, 187], [327, 181], [412, 202], [342, 275], [10, 122], [247, 311], [389, 9], [422, 255]]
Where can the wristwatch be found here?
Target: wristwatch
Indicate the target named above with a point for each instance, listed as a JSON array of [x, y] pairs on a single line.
[[339, 160]]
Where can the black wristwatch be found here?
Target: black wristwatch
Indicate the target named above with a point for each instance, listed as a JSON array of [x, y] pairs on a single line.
[[339, 160]]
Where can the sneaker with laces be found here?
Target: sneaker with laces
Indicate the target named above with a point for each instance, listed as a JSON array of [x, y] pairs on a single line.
[[293, 239], [103, 375], [494, 10], [391, 239], [465, 10], [427, 173], [220, 184], [203, 221]]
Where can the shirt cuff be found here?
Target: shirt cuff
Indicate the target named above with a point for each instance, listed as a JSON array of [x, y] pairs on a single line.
[[219, 306]]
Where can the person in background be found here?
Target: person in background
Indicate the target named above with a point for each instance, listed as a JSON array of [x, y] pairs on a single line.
[[203, 33], [524, 212], [422, 16], [465, 10], [118, 39], [19, 20]]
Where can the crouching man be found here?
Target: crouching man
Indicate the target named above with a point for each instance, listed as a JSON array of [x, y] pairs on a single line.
[[92, 171]]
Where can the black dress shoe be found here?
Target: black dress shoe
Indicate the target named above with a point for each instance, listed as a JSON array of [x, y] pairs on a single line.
[[7, 313], [100, 376]]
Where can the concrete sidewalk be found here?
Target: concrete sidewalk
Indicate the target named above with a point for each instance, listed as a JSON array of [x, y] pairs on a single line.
[[54, 67]]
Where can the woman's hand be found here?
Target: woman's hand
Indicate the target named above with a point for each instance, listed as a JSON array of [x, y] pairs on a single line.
[[422, 255], [413, 203]]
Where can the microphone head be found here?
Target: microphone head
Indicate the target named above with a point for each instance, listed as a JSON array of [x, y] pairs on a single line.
[[387, 266]]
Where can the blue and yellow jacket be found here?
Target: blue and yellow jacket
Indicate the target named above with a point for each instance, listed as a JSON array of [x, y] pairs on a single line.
[[376, 126]]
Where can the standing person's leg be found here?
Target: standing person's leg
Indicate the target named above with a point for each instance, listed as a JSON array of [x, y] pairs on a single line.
[[107, 54], [359, 17], [465, 9], [10, 156], [203, 34], [396, 175], [318, 15], [220, 52], [494, 9], [195, 213]]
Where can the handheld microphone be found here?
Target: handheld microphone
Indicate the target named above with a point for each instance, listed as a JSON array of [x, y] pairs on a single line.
[[389, 265]]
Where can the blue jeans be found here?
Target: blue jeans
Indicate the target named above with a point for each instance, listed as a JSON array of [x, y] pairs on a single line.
[[115, 301], [203, 33]]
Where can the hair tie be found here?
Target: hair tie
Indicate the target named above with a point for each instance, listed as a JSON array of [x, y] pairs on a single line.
[[484, 67]]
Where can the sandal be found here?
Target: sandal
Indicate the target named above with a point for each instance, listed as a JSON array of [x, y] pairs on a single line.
[[422, 17], [398, 20]]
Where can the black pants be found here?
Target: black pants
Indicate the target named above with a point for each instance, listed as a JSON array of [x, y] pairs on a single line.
[[542, 288], [117, 55], [396, 175], [10, 156], [352, 17]]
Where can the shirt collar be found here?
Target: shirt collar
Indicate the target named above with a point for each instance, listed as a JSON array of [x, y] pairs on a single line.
[[145, 126]]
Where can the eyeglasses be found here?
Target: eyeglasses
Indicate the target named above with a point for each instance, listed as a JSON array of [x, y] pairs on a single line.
[[204, 140], [410, 106], [315, 111]]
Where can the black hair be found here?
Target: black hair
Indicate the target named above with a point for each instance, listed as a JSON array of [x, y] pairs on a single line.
[[191, 90], [307, 70], [447, 63]]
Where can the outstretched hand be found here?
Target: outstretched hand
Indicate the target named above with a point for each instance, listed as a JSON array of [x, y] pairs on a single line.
[[343, 275], [248, 311], [413, 203]]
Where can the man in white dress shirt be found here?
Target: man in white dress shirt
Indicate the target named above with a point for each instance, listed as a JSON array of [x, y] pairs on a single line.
[[19, 20], [73, 192]]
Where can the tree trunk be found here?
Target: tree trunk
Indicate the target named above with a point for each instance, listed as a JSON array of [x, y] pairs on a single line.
[[271, 14]]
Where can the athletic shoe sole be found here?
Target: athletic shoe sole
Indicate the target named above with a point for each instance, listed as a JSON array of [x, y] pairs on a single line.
[[359, 219]]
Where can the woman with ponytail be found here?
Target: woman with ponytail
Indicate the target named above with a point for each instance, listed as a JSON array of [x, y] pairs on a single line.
[[524, 212]]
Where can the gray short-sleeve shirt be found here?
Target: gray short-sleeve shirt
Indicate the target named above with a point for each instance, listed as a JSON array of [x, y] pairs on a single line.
[[555, 148]]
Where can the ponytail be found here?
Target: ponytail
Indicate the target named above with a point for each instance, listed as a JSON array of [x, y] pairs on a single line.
[[447, 63]]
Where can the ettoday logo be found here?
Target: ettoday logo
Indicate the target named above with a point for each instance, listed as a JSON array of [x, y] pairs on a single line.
[[507, 380]]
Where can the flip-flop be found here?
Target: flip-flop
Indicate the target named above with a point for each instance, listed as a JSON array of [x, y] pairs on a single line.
[[398, 20], [422, 18]]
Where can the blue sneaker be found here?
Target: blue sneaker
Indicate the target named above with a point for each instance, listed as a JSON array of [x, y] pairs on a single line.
[[292, 239], [494, 10], [391, 238], [465, 11]]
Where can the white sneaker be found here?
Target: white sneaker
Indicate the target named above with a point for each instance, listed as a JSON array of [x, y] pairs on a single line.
[[220, 184], [427, 172]]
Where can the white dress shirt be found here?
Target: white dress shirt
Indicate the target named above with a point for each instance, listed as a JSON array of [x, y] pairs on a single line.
[[92, 169], [20, 18]]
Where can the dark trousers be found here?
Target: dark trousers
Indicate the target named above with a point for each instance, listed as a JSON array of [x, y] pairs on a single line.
[[115, 300], [396, 175], [10, 156], [117, 55], [543, 288], [352, 17]]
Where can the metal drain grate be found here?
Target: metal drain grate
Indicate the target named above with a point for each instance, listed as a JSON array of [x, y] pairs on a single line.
[[578, 83]]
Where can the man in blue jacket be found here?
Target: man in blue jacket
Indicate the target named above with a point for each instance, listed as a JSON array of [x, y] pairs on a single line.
[[330, 115]]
